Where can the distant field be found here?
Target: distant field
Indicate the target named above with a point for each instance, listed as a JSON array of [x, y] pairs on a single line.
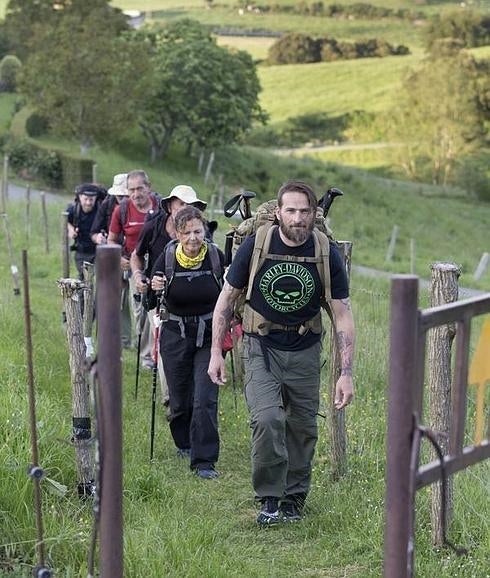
[[369, 84], [257, 46]]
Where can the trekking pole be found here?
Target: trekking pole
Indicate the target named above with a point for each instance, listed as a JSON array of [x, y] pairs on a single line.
[[154, 388], [13, 266], [155, 366], [138, 348], [233, 380], [34, 470]]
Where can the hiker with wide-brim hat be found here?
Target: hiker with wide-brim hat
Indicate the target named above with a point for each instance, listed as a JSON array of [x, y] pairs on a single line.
[[189, 273], [155, 235]]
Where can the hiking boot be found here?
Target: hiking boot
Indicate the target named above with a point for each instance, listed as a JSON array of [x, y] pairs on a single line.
[[207, 473], [291, 509], [290, 512], [183, 452], [269, 512]]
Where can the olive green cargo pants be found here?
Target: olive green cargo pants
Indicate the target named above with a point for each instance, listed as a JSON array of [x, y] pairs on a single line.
[[283, 403]]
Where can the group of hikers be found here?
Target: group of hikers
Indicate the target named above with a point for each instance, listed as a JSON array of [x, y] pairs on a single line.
[[174, 276]]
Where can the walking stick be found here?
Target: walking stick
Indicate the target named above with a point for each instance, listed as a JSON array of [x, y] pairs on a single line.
[[137, 297], [160, 297], [138, 350], [154, 387]]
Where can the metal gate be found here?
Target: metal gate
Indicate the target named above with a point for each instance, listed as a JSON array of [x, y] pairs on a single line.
[[408, 331]]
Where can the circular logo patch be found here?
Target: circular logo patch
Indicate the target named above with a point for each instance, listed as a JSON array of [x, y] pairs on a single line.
[[287, 286]]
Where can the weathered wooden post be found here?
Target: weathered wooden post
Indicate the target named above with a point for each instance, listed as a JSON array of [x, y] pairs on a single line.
[[71, 291], [209, 167], [65, 246], [443, 289], [108, 276], [28, 215], [94, 172], [88, 307], [412, 256], [5, 180], [13, 267], [45, 222], [391, 247], [338, 443], [482, 266]]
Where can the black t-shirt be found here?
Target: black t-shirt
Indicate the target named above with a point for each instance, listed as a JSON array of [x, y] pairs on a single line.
[[82, 221], [287, 292]]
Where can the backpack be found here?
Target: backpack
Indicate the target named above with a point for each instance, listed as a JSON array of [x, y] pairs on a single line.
[[123, 211], [262, 223]]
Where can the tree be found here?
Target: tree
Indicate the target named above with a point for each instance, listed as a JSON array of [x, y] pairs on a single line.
[[199, 93], [438, 116], [84, 77]]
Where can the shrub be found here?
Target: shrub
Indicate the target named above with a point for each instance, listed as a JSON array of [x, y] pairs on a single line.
[[472, 174], [36, 125], [33, 162], [9, 68], [294, 48]]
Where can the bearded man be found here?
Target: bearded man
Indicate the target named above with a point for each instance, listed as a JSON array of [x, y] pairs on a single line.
[[281, 350]]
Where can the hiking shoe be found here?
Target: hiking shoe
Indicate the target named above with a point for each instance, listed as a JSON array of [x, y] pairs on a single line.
[[290, 512], [207, 473], [183, 452], [269, 512]]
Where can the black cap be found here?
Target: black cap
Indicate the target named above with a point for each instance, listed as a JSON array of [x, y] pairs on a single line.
[[87, 189]]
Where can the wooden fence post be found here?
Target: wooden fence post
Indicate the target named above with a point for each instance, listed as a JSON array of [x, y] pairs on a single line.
[[5, 183], [13, 267], [65, 248], [71, 291], [88, 307], [482, 266], [338, 443], [443, 289], [391, 246], [412, 256], [28, 214], [209, 167], [45, 222]]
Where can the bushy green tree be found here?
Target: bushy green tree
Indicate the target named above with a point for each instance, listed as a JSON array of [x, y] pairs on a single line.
[[465, 25], [438, 117], [199, 92], [10, 66], [83, 76]]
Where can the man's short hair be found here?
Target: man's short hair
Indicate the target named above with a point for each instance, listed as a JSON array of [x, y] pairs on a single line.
[[141, 174], [297, 187]]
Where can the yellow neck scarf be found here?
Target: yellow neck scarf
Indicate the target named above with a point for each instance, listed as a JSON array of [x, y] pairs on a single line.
[[189, 262]]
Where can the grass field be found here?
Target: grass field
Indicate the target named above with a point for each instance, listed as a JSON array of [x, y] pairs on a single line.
[[177, 525]]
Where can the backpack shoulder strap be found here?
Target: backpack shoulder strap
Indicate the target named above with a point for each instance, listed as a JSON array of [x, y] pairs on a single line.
[[322, 250], [263, 237], [123, 212], [170, 261], [215, 264]]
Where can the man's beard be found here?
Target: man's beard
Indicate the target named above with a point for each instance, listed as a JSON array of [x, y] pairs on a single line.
[[296, 234]]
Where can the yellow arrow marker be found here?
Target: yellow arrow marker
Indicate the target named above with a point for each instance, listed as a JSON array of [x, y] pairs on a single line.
[[480, 375]]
